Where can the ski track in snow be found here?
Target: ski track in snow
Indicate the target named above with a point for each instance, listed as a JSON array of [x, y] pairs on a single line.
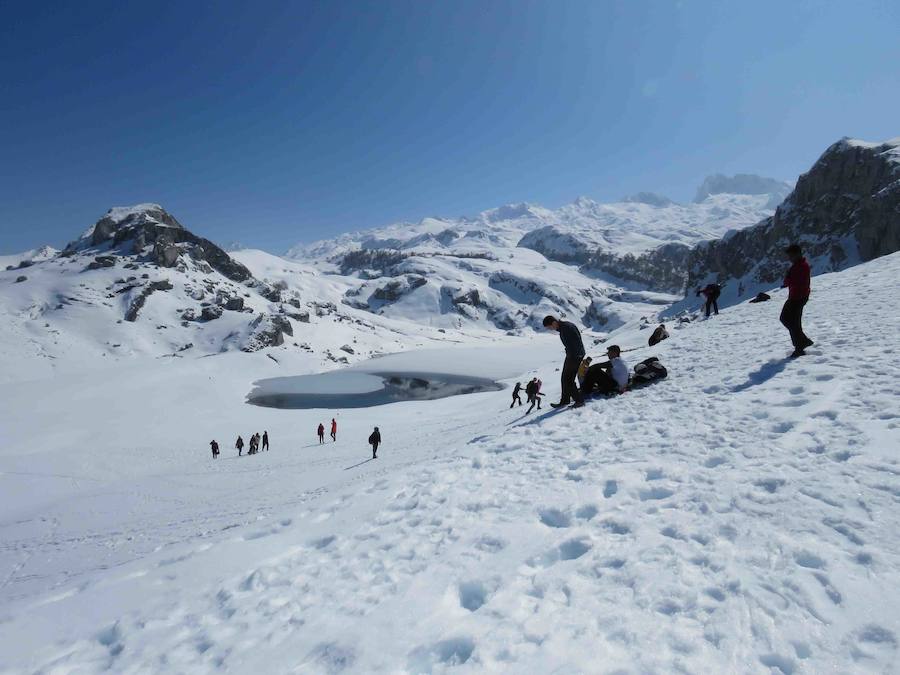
[[739, 517]]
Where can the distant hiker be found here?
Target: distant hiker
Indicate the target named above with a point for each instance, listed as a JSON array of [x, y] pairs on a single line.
[[374, 441], [609, 376], [265, 440], [516, 397], [582, 369], [535, 396], [333, 429], [798, 284], [659, 335], [239, 444], [321, 433], [254, 445], [571, 339], [712, 293], [215, 448]]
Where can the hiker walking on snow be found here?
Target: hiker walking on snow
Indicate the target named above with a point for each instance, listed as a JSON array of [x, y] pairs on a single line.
[[516, 396], [571, 339], [239, 444], [712, 293], [265, 440], [321, 432], [798, 284], [658, 335], [609, 376], [215, 448], [535, 396], [333, 429], [375, 441]]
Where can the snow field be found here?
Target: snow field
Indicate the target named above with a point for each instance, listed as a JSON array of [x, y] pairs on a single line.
[[739, 517]]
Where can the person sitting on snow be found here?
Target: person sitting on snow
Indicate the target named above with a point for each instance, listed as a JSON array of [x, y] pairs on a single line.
[[659, 335], [607, 377]]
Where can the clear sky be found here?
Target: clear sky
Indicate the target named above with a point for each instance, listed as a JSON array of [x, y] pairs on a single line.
[[272, 123]]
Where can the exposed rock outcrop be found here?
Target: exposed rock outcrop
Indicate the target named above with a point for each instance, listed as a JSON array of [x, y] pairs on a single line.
[[844, 210]]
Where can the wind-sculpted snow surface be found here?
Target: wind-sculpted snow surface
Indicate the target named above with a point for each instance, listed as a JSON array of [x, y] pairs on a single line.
[[740, 516]]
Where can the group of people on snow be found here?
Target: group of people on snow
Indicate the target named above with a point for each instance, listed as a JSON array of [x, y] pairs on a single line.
[[256, 440], [580, 378], [532, 393], [321, 431]]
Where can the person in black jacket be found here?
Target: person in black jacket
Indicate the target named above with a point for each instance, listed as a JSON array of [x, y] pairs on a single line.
[[239, 444], [215, 448], [265, 440], [375, 441], [571, 339], [712, 293], [516, 395], [659, 335]]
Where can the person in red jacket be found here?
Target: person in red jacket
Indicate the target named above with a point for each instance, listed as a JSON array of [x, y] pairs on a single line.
[[797, 282], [333, 429]]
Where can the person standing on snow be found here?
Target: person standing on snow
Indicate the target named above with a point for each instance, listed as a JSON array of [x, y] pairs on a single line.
[[798, 284], [609, 376], [239, 444], [712, 293], [516, 395], [375, 441], [333, 429], [571, 339], [321, 432], [215, 448], [534, 394], [265, 440]]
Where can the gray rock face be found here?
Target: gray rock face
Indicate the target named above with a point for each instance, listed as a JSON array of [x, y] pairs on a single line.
[[663, 268], [268, 331], [21, 278], [844, 210], [102, 261], [137, 303], [211, 313], [129, 231], [234, 304]]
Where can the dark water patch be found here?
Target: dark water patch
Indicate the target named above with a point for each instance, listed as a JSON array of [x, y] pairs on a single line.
[[336, 390]]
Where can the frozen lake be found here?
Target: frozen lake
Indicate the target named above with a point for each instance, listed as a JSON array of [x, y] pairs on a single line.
[[349, 389]]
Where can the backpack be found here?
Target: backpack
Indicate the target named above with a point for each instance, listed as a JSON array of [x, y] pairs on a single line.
[[648, 370]]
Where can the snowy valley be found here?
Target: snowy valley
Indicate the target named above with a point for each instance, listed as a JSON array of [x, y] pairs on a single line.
[[740, 516]]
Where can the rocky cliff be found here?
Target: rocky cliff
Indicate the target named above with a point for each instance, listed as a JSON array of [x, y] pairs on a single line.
[[843, 211]]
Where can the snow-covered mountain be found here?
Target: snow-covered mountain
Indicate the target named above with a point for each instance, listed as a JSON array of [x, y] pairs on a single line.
[[508, 267], [843, 211], [137, 283]]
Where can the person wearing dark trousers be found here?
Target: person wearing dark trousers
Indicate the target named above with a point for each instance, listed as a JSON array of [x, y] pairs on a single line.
[[265, 440], [607, 377], [571, 339], [333, 429], [797, 281], [239, 444], [215, 448], [516, 395], [712, 293], [375, 441], [533, 389], [321, 432]]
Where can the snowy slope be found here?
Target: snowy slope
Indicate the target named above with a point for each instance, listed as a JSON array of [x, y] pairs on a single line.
[[738, 517]]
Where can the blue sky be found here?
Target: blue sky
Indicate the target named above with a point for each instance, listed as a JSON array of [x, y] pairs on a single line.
[[272, 123]]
